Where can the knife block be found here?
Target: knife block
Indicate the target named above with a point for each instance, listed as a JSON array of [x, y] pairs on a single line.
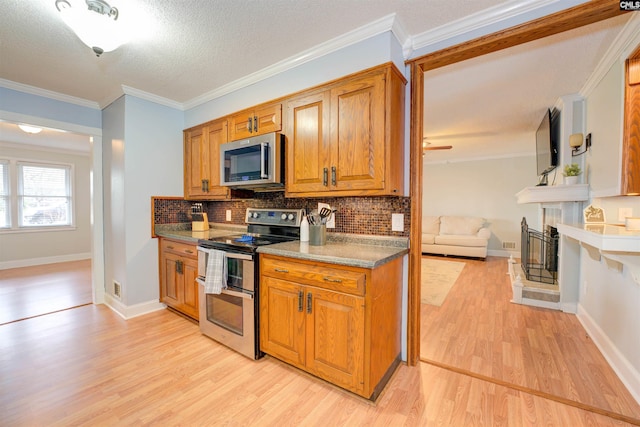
[[200, 225]]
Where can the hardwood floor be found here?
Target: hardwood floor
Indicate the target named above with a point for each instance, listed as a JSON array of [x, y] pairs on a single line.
[[88, 366], [479, 331], [32, 291]]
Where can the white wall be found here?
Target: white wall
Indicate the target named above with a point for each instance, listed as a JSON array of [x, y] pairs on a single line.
[[484, 188], [142, 158], [609, 299], [22, 248]]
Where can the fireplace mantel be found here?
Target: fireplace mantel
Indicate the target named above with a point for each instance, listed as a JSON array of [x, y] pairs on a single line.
[[554, 194]]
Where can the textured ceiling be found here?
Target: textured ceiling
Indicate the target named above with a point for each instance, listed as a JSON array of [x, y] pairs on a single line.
[[182, 49]]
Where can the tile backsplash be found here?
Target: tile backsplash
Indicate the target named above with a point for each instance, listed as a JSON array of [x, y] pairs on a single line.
[[355, 215]]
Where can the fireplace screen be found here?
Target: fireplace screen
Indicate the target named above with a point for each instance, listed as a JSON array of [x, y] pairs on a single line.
[[539, 254]]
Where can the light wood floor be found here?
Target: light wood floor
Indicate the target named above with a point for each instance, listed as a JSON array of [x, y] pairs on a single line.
[[32, 291], [479, 331], [88, 366]]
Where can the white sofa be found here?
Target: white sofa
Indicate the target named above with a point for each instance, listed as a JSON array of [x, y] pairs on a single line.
[[455, 235]]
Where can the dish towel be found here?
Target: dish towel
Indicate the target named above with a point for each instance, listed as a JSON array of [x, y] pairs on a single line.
[[216, 277]]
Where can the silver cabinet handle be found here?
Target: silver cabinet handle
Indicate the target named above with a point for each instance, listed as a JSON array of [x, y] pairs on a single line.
[[300, 300], [255, 123], [281, 270], [309, 300], [329, 279], [250, 125], [325, 177], [333, 175]]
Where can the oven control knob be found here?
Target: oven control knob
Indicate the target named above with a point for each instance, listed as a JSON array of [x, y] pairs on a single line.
[[283, 216], [290, 217], [256, 215]]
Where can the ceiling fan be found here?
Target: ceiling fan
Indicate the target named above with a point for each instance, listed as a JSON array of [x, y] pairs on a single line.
[[426, 146]]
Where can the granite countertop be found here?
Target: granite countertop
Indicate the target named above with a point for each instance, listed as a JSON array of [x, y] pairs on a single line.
[[344, 249], [182, 231], [360, 251]]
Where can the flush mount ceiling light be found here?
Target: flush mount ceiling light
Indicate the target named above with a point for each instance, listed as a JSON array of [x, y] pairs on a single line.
[[96, 24], [29, 129]]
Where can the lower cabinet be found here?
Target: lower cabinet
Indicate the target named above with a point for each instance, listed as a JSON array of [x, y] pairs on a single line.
[[339, 323], [178, 272]]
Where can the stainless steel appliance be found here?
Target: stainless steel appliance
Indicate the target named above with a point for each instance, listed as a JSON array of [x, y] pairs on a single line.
[[253, 163], [231, 317]]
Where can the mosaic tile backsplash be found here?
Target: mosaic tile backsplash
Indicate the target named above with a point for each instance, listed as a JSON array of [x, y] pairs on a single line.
[[355, 215]]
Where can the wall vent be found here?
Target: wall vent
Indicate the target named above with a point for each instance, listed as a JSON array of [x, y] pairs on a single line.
[[117, 289], [508, 245]]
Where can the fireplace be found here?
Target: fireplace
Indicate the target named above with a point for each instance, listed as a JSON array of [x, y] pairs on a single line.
[[539, 256]]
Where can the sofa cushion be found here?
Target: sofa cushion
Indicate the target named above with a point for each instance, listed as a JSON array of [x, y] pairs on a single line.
[[460, 240], [428, 239], [431, 224], [460, 225]]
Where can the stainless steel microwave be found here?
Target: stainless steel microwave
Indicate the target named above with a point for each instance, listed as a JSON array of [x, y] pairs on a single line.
[[253, 163]]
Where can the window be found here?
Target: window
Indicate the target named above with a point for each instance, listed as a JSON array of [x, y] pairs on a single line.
[[35, 195], [44, 195], [5, 219]]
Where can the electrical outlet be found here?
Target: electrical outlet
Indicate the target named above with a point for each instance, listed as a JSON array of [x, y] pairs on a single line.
[[397, 222], [624, 213], [228, 215]]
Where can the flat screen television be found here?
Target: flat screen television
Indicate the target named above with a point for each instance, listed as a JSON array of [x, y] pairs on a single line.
[[548, 142]]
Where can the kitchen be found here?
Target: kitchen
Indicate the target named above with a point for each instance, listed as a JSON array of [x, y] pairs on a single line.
[[220, 166]]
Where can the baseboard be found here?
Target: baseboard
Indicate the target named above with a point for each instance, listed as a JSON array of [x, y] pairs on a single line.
[[131, 311], [42, 261], [502, 253], [627, 373]]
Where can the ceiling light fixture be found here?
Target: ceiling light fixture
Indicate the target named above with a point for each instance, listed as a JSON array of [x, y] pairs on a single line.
[[96, 25], [30, 129]]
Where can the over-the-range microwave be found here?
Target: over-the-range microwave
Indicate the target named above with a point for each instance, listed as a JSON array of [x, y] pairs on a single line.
[[254, 163]]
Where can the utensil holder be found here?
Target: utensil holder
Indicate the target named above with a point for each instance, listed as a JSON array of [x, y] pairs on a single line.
[[317, 235]]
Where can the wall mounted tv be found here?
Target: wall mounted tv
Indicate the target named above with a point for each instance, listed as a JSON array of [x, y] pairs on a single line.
[[548, 142]]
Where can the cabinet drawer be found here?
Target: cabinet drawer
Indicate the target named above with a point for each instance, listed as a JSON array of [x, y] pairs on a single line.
[[321, 275], [179, 248]]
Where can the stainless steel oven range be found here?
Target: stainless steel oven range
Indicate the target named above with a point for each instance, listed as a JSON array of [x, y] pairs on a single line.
[[231, 317]]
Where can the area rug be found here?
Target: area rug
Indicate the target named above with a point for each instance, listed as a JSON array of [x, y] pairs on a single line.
[[438, 277]]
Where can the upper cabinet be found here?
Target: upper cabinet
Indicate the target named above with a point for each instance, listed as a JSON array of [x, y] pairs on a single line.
[[347, 137], [255, 121], [202, 161]]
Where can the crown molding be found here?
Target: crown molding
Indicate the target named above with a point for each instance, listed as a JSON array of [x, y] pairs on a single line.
[[621, 47], [32, 90], [83, 151], [387, 23], [128, 90], [486, 20]]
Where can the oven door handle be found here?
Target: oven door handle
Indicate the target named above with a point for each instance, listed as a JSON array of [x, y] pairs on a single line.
[[244, 295], [232, 255], [237, 294]]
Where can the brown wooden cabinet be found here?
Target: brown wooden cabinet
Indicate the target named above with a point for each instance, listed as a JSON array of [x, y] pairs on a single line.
[[347, 138], [178, 272], [202, 161], [339, 323], [255, 121]]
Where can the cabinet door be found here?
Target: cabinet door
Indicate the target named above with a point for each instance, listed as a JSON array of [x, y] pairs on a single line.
[[335, 337], [202, 161], [190, 293], [256, 121], [215, 136], [308, 144], [358, 134], [195, 171], [171, 286], [282, 332]]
